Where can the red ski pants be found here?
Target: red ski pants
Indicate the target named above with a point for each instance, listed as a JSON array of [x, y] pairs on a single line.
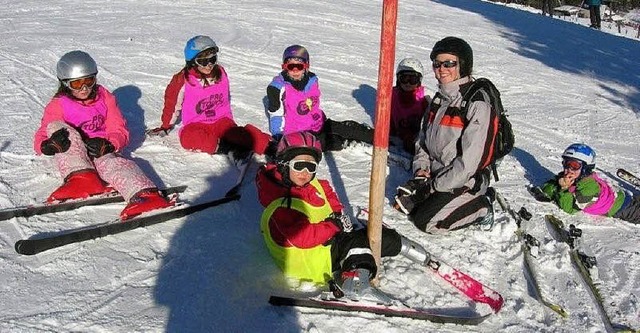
[[205, 137]]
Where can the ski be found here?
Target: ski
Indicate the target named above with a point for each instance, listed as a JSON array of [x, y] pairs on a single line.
[[47, 208], [628, 177], [530, 251], [586, 267], [342, 304], [38, 244], [465, 284]]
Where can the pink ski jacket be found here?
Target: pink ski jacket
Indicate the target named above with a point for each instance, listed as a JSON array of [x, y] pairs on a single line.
[[100, 117]]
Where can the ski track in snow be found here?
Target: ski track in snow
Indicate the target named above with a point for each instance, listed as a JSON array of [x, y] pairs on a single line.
[[210, 271]]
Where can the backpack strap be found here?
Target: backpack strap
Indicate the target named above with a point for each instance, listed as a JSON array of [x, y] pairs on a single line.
[[471, 95]]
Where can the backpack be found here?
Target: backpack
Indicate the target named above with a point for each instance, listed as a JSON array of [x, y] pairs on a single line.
[[504, 139]]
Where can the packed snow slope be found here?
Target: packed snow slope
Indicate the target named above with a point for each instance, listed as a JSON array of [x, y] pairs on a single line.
[[210, 272]]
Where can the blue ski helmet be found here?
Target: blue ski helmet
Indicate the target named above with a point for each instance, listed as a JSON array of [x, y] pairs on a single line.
[[198, 44], [295, 51], [582, 153]]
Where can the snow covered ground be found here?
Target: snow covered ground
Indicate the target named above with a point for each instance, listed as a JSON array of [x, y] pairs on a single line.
[[561, 82]]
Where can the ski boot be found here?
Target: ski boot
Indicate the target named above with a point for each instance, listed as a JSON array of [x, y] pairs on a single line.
[[144, 201], [486, 222], [414, 251], [356, 287], [79, 184]]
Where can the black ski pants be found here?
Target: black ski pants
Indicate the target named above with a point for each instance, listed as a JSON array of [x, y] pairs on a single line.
[[630, 212], [351, 250]]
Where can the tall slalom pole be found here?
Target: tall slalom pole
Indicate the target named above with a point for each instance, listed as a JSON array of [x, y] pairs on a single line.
[[382, 119]]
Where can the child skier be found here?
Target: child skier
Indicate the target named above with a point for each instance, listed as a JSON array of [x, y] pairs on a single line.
[[578, 188], [305, 230], [294, 105], [200, 94], [83, 129], [408, 104]]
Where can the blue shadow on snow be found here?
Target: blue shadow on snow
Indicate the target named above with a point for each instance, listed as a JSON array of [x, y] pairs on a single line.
[[217, 273]]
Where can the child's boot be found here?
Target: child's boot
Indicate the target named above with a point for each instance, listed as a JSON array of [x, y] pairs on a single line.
[[144, 201], [356, 286], [79, 184]]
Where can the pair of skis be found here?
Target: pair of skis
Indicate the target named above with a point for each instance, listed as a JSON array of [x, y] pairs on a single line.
[[530, 252], [41, 243]]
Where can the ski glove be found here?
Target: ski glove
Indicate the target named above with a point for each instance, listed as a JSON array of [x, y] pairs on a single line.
[[58, 143], [412, 193], [342, 221], [98, 147], [159, 131]]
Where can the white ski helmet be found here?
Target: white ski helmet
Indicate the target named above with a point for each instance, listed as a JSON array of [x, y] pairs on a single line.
[[582, 153], [410, 65], [76, 64]]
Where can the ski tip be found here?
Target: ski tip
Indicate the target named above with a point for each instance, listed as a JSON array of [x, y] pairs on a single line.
[[496, 305], [22, 247]]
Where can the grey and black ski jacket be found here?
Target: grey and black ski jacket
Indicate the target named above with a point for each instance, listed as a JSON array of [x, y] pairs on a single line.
[[452, 146]]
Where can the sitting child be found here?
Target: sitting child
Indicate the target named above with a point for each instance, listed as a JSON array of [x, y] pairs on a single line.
[[293, 98], [408, 104], [199, 93], [305, 230]]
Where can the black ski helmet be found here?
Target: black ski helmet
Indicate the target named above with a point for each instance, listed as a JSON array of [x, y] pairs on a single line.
[[457, 47]]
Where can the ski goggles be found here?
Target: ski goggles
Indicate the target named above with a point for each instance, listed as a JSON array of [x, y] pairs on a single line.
[[205, 61], [301, 165], [447, 64], [573, 165], [77, 84], [295, 66], [409, 79]]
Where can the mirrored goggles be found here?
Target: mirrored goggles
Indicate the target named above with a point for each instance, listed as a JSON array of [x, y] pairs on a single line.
[[205, 61], [301, 165], [573, 165], [77, 84], [295, 66], [447, 64], [409, 79]]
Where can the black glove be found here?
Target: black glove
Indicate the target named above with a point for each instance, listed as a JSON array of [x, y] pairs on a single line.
[[98, 147], [412, 193], [58, 143], [342, 221], [414, 186]]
